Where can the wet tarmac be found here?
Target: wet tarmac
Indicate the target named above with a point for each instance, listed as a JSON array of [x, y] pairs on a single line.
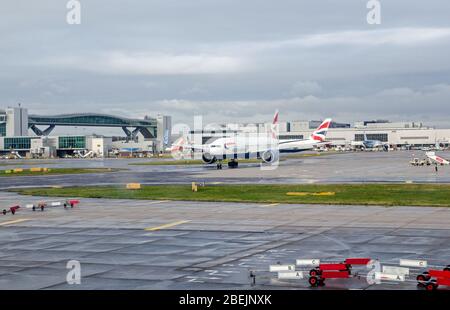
[[135, 244], [356, 167]]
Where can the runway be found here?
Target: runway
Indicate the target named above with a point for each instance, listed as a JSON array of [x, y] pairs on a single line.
[[134, 244], [334, 168]]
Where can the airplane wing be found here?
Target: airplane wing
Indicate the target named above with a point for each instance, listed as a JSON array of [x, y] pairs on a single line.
[[436, 158]]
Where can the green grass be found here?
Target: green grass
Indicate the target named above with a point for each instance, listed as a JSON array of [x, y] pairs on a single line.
[[348, 194], [53, 171], [186, 162], [26, 163]]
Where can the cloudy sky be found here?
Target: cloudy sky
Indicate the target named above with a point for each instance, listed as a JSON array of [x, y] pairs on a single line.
[[229, 60]]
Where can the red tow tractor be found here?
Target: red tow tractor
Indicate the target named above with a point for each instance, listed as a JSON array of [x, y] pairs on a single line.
[[11, 210], [71, 202], [433, 278], [342, 270]]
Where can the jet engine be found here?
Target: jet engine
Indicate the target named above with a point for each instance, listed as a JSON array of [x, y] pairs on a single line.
[[208, 159], [270, 156]]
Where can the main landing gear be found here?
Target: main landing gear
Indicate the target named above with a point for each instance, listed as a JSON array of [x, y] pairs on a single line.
[[219, 165], [233, 163]]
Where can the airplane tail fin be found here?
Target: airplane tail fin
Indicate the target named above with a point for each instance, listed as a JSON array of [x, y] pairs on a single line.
[[320, 133], [274, 126], [275, 118], [178, 145]]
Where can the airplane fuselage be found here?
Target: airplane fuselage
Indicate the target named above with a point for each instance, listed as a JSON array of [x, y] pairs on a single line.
[[256, 145], [370, 144]]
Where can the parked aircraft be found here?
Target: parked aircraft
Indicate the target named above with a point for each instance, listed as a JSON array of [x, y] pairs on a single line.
[[437, 159], [265, 146], [431, 159], [367, 144]]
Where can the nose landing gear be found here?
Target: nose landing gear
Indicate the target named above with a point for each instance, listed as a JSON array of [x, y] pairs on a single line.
[[219, 165]]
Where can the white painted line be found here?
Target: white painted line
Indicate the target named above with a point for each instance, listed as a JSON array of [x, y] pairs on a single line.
[[270, 205], [156, 202], [194, 279]]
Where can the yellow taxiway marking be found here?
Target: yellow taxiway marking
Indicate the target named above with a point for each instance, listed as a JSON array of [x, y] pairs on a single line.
[[166, 225], [14, 222], [270, 205], [159, 201]]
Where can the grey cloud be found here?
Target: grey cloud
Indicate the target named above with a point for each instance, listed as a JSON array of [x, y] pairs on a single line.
[[302, 88], [119, 62], [427, 103], [229, 59]]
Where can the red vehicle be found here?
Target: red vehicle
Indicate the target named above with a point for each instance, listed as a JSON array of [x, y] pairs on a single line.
[[433, 278], [11, 210], [341, 270], [71, 202]]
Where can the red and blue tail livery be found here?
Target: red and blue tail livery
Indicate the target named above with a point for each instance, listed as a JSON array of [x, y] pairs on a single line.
[[321, 131]]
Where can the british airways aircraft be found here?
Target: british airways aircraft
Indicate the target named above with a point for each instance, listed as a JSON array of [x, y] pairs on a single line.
[[264, 146], [437, 159]]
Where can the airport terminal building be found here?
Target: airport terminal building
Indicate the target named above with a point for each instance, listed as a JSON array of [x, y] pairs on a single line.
[[23, 134], [28, 135], [396, 134]]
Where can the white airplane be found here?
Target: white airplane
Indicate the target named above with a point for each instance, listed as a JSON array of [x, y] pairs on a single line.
[[264, 146], [370, 144], [317, 138], [437, 159]]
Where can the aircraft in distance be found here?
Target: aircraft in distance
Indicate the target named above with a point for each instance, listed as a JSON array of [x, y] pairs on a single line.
[[265, 146], [432, 159], [370, 144], [438, 160]]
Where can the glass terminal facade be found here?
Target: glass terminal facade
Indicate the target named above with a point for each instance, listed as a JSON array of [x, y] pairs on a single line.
[[71, 142]]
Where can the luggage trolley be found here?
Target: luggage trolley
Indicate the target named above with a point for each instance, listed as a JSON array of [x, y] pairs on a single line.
[[43, 205]]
